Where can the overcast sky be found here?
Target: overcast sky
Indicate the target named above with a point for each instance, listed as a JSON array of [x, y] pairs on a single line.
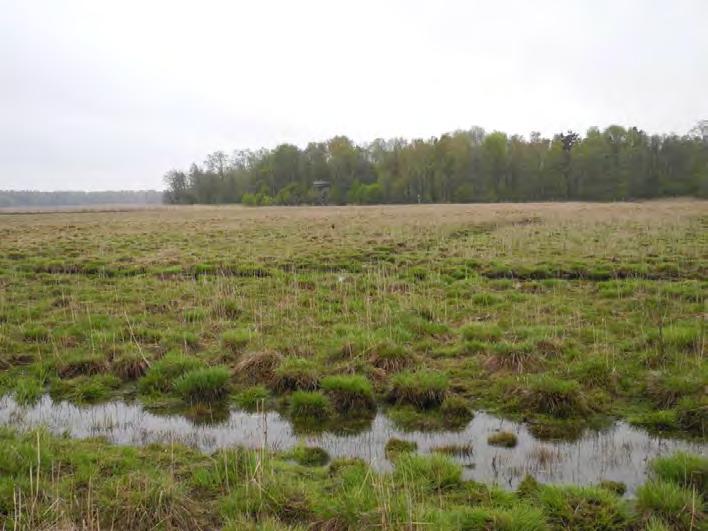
[[102, 94]]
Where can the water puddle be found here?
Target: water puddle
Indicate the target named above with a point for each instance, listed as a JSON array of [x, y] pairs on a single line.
[[619, 453]]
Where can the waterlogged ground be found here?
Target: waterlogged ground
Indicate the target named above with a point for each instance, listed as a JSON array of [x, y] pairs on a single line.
[[558, 316], [618, 453]]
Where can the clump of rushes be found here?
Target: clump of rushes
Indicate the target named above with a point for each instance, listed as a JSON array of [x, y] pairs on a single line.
[[85, 388], [503, 438], [235, 340], [309, 405], [516, 357], [28, 390], [81, 363], [294, 374], [309, 456], [421, 388], [687, 470], [350, 393], [666, 390], [36, 334], [488, 332], [677, 507], [430, 473], [559, 398], [396, 446], [390, 357], [251, 398], [206, 384], [161, 375], [129, 365], [616, 487], [661, 420], [582, 508], [258, 367], [456, 410]]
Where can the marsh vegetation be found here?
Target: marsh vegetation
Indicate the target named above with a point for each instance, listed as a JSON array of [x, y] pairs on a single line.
[[558, 320]]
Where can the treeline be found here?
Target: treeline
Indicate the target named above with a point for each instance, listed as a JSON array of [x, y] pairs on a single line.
[[465, 166], [12, 198]]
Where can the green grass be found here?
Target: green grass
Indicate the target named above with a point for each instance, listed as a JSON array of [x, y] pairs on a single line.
[[206, 384], [350, 393], [252, 398], [295, 373], [422, 389], [686, 470], [394, 447], [309, 456], [677, 507], [591, 312], [309, 405], [161, 375]]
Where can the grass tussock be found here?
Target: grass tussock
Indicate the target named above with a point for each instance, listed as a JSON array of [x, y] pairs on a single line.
[[258, 367], [555, 397], [390, 357], [309, 405], [205, 384], [161, 375], [350, 393], [421, 388], [294, 373]]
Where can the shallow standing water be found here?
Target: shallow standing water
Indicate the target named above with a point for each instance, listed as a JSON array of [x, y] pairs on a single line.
[[618, 453]]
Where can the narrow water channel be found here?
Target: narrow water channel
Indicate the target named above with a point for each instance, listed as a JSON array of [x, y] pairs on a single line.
[[618, 453]]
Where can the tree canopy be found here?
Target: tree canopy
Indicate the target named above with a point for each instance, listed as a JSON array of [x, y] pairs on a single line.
[[616, 163]]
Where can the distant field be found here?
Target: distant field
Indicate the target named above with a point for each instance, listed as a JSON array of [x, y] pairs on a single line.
[[562, 315]]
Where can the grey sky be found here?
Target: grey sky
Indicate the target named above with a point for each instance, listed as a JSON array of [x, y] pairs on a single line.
[[111, 94]]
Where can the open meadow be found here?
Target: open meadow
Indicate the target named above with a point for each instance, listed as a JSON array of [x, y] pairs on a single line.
[[397, 367]]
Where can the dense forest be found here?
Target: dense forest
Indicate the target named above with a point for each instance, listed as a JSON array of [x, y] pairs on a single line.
[[12, 198], [465, 166]]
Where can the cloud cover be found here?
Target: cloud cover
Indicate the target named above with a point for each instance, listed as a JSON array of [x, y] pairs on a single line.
[[110, 95]]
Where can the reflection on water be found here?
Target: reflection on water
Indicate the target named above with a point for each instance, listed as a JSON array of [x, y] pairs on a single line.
[[619, 453]]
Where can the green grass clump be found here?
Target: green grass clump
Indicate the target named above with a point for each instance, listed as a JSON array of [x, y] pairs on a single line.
[[28, 390], [36, 334], [666, 390], [515, 518], [205, 384], [422, 388], [81, 363], [85, 388], [559, 398], [350, 393], [661, 420], [431, 473], [130, 365], [294, 374], [681, 337], [309, 456], [390, 357], [309, 405], [487, 332], [677, 507], [616, 487], [396, 446], [503, 438], [251, 398], [162, 374], [684, 469], [456, 411], [583, 508], [235, 340]]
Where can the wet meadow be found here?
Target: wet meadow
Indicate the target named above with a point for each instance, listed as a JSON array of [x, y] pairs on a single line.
[[497, 366]]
